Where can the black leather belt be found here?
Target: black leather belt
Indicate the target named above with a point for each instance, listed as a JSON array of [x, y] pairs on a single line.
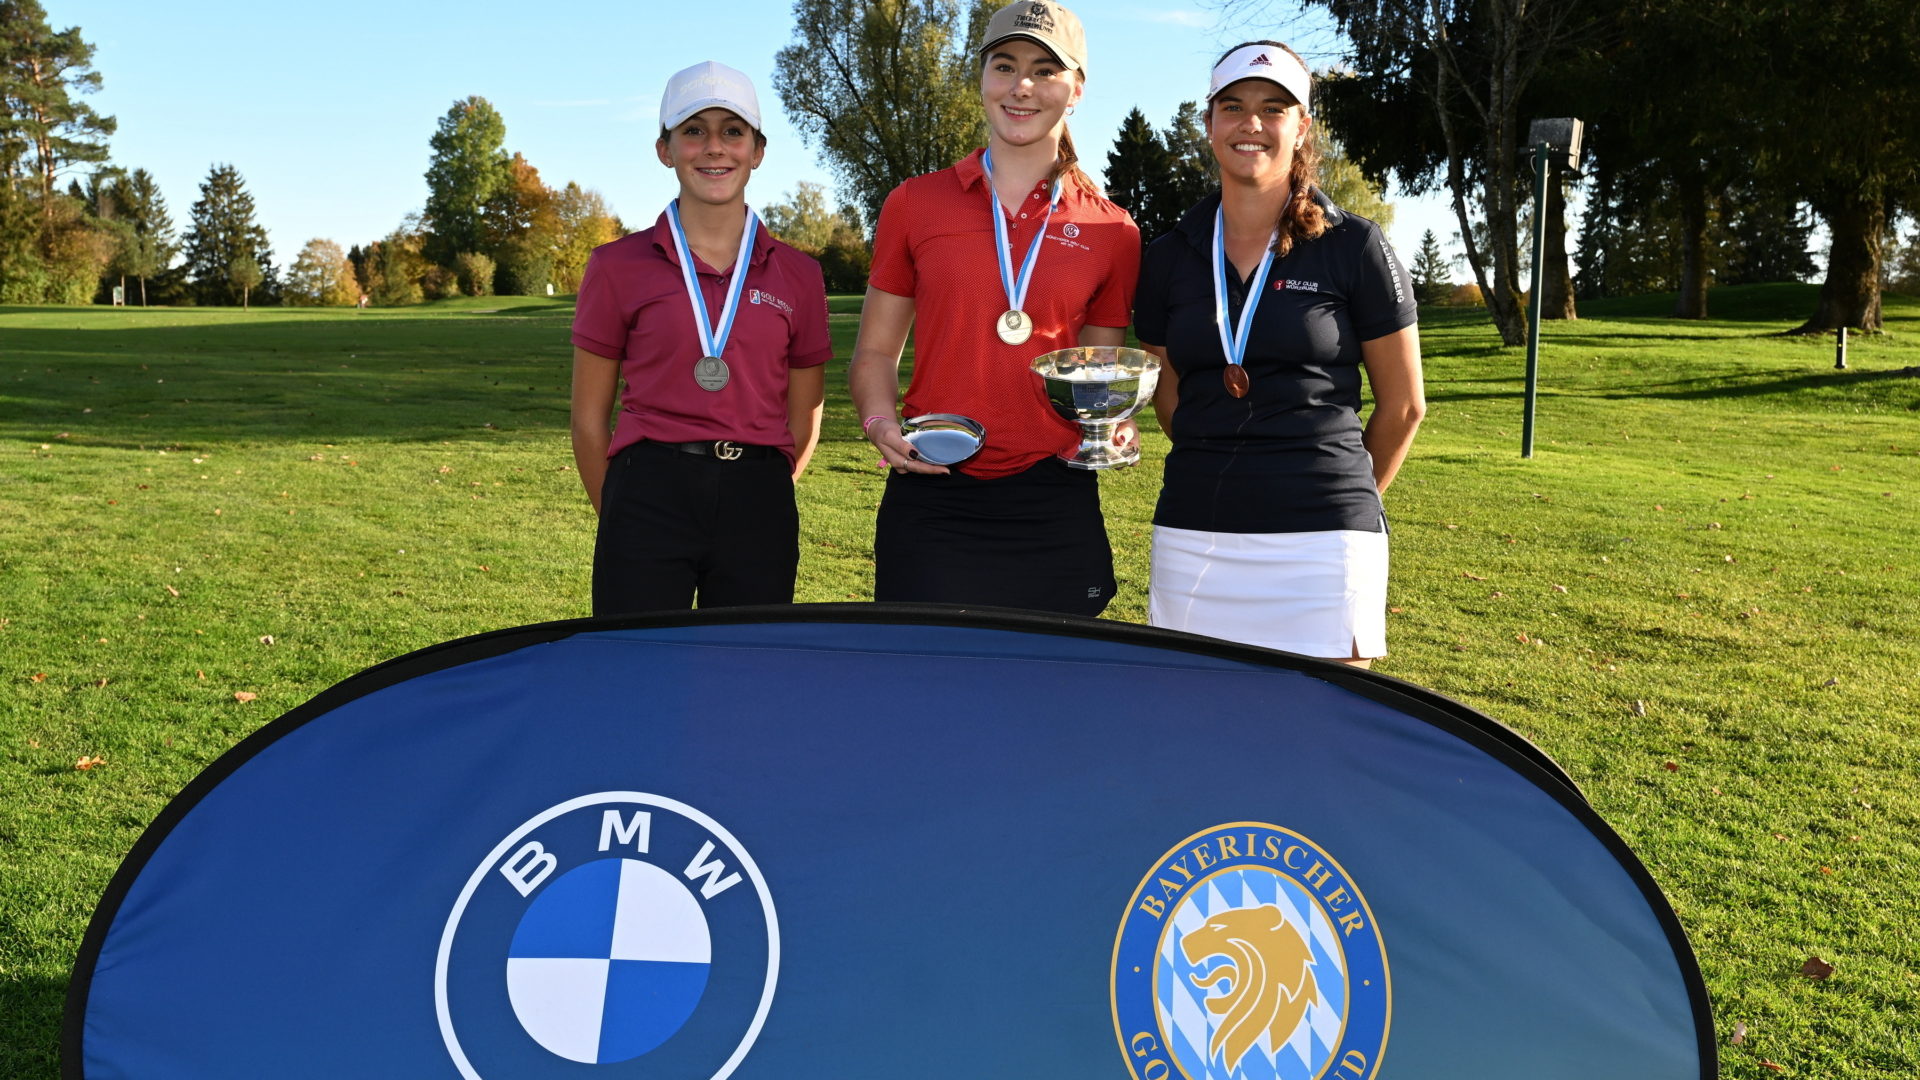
[[723, 449]]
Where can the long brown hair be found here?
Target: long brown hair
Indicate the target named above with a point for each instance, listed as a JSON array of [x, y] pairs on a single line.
[[1302, 218]]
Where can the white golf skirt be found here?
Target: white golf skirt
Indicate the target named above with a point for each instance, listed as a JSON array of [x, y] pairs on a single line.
[[1314, 593]]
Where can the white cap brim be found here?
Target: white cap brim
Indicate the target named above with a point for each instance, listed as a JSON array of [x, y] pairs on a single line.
[[1261, 61]]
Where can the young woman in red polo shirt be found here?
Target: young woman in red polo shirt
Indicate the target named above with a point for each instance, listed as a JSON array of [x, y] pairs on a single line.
[[718, 332], [1013, 525]]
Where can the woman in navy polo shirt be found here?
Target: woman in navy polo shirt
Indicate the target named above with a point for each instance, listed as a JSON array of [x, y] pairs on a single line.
[[718, 332], [1269, 302]]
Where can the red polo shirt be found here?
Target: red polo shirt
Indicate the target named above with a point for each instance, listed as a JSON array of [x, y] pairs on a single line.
[[934, 243], [633, 308]]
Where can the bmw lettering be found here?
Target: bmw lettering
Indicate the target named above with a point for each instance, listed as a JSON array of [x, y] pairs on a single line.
[[621, 930]]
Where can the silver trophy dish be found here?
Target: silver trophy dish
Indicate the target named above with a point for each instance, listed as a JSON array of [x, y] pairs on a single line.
[[1098, 386]]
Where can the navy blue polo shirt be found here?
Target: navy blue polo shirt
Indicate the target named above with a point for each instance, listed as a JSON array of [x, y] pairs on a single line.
[[1288, 456]]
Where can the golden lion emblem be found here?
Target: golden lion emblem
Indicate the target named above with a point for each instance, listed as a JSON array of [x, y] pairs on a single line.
[[1268, 972]]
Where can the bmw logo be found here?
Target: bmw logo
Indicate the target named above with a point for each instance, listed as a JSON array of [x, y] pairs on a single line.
[[622, 930]]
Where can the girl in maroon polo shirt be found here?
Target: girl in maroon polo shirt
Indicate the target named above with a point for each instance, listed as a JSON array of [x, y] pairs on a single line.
[[718, 332], [1012, 525]]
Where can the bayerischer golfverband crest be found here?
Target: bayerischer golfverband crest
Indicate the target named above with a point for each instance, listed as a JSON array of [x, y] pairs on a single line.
[[1248, 953], [622, 930]]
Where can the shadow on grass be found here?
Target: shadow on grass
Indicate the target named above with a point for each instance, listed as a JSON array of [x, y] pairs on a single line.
[[30, 1012], [462, 374]]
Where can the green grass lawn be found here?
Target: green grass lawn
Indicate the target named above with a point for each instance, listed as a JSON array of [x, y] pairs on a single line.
[[1700, 595]]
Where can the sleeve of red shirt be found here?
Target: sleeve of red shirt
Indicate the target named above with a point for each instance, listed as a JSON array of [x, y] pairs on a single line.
[[812, 343], [599, 324], [1113, 304], [892, 270]]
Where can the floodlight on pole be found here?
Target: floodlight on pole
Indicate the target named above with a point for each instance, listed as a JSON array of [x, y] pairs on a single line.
[[1552, 140]]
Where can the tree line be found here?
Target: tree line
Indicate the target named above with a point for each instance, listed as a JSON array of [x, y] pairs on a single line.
[[1696, 173]]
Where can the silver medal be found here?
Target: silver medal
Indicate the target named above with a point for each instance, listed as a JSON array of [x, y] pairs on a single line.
[[711, 373], [1015, 327]]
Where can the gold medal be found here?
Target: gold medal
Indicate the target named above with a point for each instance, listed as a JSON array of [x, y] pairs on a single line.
[[1015, 327]]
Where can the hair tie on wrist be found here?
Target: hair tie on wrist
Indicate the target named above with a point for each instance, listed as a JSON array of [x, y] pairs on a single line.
[[866, 427]]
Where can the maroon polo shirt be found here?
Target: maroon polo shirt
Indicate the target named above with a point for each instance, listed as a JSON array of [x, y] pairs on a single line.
[[633, 308]]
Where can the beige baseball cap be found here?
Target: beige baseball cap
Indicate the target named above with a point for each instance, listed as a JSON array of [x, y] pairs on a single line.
[[704, 86], [1044, 23]]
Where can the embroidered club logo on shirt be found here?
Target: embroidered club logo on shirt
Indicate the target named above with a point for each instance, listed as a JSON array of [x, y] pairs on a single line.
[[1247, 952], [622, 930], [1293, 285], [761, 296]]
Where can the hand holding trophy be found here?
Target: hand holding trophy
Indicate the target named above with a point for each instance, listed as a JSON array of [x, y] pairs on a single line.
[[1098, 386]]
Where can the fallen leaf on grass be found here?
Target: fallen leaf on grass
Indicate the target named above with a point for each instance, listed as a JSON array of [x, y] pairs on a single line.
[[38, 676], [244, 696], [100, 683], [1779, 836], [85, 763], [1831, 682], [1739, 1032], [198, 674], [1639, 708], [1765, 1064], [1396, 611], [1470, 576], [1559, 588], [1816, 968], [266, 639], [1671, 766], [488, 568], [1826, 869], [171, 591]]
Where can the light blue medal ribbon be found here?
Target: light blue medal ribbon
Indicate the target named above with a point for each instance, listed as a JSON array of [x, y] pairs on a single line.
[[1233, 338], [711, 370], [1016, 288]]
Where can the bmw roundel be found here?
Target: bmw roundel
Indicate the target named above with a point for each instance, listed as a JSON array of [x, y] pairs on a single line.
[[621, 930]]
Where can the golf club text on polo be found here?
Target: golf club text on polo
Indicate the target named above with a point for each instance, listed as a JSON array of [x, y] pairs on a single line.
[[1294, 857], [532, 863]]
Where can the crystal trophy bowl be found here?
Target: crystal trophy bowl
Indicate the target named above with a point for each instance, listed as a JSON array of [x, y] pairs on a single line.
[[1098, 386]]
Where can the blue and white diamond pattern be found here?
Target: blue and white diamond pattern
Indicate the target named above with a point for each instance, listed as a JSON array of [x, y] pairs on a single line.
[[1180, 1004]]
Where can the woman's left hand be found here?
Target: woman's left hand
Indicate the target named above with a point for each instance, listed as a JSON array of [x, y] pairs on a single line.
[[1127, 435]]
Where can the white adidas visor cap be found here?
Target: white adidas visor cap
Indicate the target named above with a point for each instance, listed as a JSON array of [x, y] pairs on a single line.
[[708, 85], [1262, 61]]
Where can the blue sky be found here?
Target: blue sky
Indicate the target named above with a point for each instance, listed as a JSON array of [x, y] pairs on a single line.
[[326, 108]]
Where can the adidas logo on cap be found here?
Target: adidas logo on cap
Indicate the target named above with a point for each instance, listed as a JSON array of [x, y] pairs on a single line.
[[1261, 59]]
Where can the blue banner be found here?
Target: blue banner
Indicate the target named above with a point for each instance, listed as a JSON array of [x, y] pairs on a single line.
[[881, 841]]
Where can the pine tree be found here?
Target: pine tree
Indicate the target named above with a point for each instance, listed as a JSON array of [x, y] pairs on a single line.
[[1186, 142], [1432, 277], [1139, 172], [44, 129], [222, 230], [145, 210]]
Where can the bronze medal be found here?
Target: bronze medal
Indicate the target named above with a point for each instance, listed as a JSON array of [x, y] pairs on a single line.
[[1236, 379]]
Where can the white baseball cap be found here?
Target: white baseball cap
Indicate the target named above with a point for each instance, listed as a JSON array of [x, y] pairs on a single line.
[[704, 86], [1263, 60]]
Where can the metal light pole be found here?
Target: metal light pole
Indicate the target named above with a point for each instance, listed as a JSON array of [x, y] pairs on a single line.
[[1548, 137]]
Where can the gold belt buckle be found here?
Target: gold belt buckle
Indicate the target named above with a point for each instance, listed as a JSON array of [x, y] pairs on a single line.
[[727, 450]]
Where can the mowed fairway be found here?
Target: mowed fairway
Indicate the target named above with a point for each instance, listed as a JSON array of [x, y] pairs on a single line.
[[1701, 596]]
